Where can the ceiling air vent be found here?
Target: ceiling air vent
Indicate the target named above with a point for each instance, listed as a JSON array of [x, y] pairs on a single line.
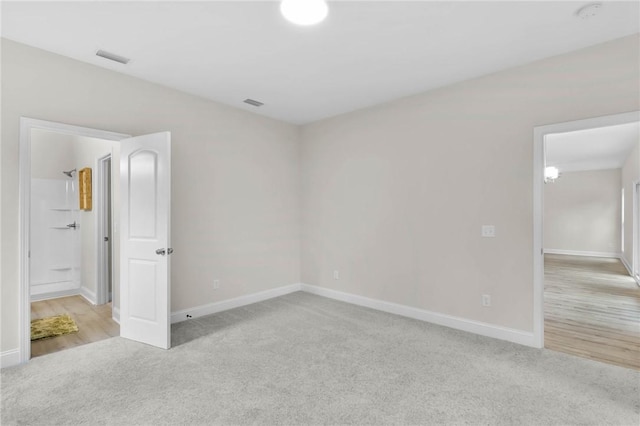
[[253, 102], [112, 57]]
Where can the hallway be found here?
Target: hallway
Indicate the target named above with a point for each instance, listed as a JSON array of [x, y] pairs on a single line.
[[592, 309]]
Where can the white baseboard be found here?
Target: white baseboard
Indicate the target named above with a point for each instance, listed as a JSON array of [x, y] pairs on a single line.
[[225, 305], [614, 255], [115, 313], [626, 265], [9, 358], [54, 295], [489, 330], [89, 295]]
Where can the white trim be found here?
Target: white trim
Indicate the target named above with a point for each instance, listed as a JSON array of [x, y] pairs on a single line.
[[626, 265], [115, 313], [583, 253], [236, 302], [10, 358], [89, 295], [24, 194], [635, 268], [54, 294], [476, 327], [539, 134]]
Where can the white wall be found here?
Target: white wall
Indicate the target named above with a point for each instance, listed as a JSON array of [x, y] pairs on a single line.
[[87, 152], [51, 153], [235, 175], [394, 196], [630, 174], [52, 249], [582, 212]]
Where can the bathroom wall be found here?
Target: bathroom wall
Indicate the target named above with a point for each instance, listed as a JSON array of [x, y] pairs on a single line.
[[54, 248], [88, 151]]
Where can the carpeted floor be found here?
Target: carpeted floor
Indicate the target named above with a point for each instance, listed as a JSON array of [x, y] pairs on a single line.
[[304, 359]]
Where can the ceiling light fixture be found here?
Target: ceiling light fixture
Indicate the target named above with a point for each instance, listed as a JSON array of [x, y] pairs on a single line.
[[304, 12], [551, 174], [589, 11]]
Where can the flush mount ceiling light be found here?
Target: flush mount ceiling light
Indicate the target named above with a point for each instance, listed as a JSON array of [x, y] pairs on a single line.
[[304, 12], [589, 11], [551, 174]]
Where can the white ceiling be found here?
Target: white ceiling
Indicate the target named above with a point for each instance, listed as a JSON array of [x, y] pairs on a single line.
[[592, 149], [365, 53]]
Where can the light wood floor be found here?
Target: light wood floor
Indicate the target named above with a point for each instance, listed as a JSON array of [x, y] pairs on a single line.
[[592, 309], [94, 323]]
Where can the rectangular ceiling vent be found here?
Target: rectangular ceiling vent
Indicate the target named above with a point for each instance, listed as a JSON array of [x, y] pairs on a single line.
[[113, 57], [253, 102]]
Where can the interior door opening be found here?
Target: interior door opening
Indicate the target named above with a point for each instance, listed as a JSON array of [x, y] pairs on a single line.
[[584, 238], [80, 213], [67, 221], [104, 237]]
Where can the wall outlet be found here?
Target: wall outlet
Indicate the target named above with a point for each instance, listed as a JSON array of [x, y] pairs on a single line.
[[486, 300], [488, 231], [216, 284], [336, 275]]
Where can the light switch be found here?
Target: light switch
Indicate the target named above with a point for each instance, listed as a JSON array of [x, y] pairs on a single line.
[[488, 231]]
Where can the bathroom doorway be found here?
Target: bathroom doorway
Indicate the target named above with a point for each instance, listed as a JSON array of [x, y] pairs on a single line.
[[71, 255]]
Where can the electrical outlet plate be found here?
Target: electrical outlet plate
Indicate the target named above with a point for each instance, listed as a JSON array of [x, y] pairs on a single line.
[[486, 300], [488, 231], [216, 284], [336, 275]]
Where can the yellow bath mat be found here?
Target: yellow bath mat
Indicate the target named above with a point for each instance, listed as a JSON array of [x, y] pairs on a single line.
[[52, 326]]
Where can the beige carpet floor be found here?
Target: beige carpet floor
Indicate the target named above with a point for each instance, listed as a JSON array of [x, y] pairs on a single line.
[[303, 359]]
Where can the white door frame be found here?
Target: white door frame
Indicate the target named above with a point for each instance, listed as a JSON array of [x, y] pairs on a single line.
[[539, 134], [635, 262], [102, 288], [26, 125]]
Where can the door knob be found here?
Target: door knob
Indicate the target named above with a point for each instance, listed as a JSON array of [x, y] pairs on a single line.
[[161, 251], [169, 250]]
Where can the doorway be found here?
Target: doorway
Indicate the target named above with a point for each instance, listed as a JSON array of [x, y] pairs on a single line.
[[141, 284], [56, 153], [104, 238], [602, 254], [70, 264]]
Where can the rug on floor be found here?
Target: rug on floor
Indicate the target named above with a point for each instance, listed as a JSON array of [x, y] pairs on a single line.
[[52, 326]]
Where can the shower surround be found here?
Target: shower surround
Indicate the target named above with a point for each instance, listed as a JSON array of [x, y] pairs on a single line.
[[55, 238]]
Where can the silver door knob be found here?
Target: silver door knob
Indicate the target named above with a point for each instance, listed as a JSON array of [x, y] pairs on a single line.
[[169, 250], [161, 251]]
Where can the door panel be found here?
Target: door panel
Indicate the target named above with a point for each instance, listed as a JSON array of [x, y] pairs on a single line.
[[145, 228]]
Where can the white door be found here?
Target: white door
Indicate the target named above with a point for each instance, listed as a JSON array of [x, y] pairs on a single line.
[[145, 235]]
